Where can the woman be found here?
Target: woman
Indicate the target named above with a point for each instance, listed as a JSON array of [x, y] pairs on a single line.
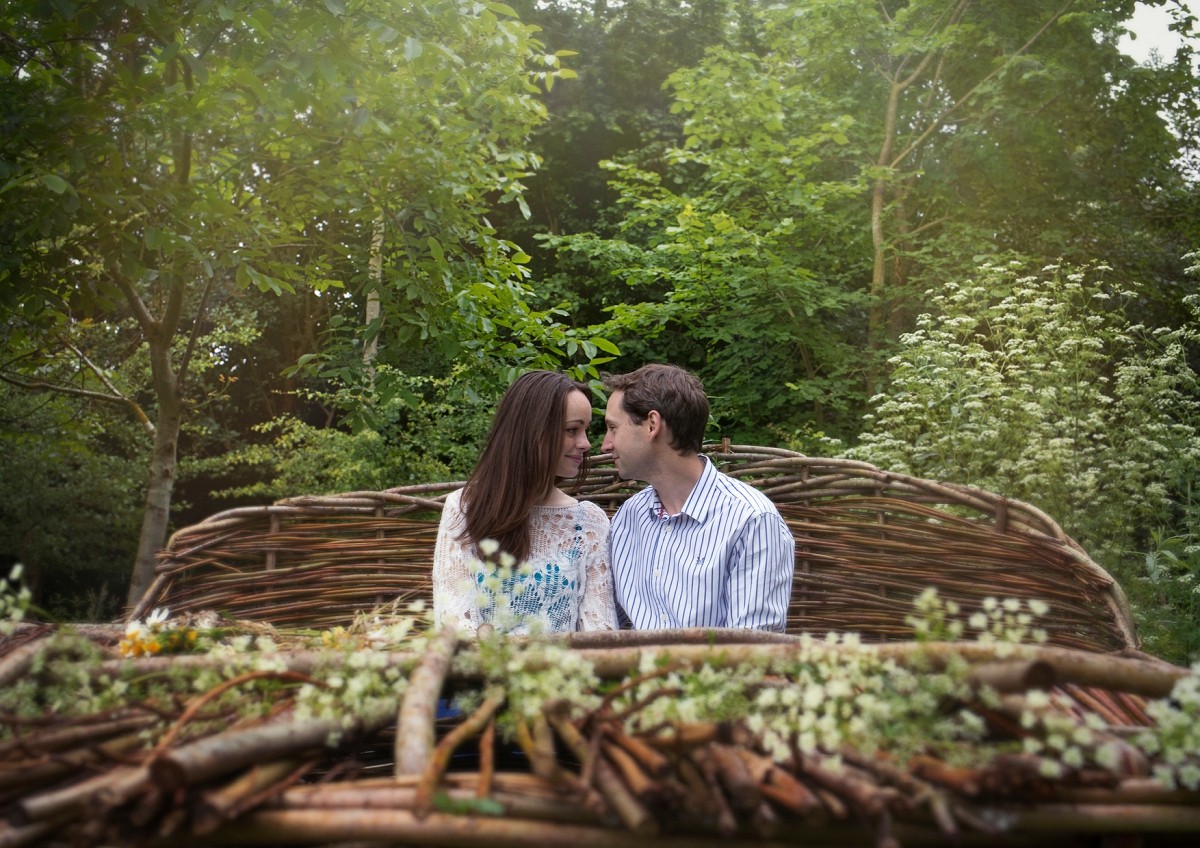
[[513, 549]]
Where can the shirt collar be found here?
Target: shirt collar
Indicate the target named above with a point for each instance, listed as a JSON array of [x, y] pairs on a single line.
[[698, 504]]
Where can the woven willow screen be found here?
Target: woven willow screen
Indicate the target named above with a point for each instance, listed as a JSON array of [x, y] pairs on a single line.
[[867, 543]]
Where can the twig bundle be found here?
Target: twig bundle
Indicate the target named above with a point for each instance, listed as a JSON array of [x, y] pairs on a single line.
[[174, 766]]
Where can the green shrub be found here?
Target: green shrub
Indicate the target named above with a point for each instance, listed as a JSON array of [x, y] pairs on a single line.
[[1039, 386]]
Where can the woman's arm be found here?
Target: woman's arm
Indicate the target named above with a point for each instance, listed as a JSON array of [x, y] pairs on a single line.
[[453, 572], [597, 606]]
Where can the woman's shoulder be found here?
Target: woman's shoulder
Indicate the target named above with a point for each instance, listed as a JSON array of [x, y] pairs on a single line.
[[592, 512], [452, 505]]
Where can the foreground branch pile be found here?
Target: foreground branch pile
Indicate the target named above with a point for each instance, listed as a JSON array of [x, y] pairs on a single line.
[[383, 733]]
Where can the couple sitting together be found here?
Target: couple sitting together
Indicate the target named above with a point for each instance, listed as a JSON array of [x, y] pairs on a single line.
[[695, 548]]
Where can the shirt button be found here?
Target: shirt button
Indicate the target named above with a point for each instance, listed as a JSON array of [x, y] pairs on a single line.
[[663, 618]]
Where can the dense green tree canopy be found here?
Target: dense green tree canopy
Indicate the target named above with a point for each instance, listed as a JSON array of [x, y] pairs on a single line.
[[161, 158], [840, 158]]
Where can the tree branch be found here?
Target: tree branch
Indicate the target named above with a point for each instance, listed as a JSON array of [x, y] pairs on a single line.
[[59, 388], [940, 120]]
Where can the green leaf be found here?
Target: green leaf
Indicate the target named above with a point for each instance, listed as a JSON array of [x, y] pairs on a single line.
[[199, 70], [335, 7], [606, 346], [55, 183], [502, 9]]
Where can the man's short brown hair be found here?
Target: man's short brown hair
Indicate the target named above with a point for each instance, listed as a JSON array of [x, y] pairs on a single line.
[[675, 393]]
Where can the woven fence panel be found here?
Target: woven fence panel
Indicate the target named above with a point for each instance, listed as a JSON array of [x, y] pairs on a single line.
[[867, 543]]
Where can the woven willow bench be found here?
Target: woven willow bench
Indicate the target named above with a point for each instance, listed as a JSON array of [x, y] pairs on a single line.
[[867, 543]]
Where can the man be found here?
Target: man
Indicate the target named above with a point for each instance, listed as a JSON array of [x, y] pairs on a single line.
[[695, 548]]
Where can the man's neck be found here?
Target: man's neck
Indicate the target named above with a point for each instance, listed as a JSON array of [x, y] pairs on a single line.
[[676, 479]]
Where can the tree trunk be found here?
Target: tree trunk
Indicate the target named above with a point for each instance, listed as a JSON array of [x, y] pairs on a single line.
[[160, 485], [373, 309]]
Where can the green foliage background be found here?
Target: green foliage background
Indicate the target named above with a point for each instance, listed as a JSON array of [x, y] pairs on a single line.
[[948, 237]]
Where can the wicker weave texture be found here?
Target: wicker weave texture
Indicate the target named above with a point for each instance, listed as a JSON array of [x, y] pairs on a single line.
[[867, 543]]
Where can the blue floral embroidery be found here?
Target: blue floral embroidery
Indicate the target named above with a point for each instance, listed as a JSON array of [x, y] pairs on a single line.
[[549, 593]]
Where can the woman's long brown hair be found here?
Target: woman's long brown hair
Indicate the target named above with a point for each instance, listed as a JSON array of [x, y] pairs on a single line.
[[516, 469]]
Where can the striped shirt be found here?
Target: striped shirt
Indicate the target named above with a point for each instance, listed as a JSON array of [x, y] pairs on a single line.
[[726, 560]]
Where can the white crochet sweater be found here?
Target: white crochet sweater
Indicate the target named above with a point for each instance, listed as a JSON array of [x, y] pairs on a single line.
[[566, 584]]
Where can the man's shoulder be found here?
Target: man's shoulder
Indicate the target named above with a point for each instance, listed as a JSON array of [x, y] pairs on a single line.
[[740, 492]]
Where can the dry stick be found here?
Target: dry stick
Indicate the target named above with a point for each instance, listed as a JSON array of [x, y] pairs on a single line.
[[1015, 676], [653, 761], [487, 760], [223, 753], [918, 791], [726, 820], [66, 804], [517, 802], [217, 691], [543, 744], [538, 746], [32, 774], [17, 662], [545, 767], [300, 662], [30, 834], [1132, 761], [863, 794], [632, 813], [784, 790], [1104, 819], [215, 807], [415, 721], [960, 780], [735, 777], [1099, 704], [681, 737], [779, 785], [321, 827], [441, 754], [1108, 671], [75, 736], [642, 787], [588, 769]]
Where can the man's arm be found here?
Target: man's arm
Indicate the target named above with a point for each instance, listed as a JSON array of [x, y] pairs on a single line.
[[760, 574]]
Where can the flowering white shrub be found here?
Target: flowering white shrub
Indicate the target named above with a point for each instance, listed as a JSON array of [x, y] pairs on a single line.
[[1038, 386]]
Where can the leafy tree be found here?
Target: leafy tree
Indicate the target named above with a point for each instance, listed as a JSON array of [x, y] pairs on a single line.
[[158, 157], [863, 153], [71, 474]]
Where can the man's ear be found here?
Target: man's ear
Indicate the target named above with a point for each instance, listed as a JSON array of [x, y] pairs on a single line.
[[654, 423]]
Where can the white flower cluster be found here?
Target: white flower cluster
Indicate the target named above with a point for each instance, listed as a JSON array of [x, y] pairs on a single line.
[[535, 673], [1009, 622], [14, 600], [364, 684], [1175, 738], [1040, 387], [1061, 741]]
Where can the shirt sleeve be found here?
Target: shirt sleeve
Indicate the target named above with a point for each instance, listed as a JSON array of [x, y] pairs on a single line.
[[761, 573], [453, 567], [597, 607]]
